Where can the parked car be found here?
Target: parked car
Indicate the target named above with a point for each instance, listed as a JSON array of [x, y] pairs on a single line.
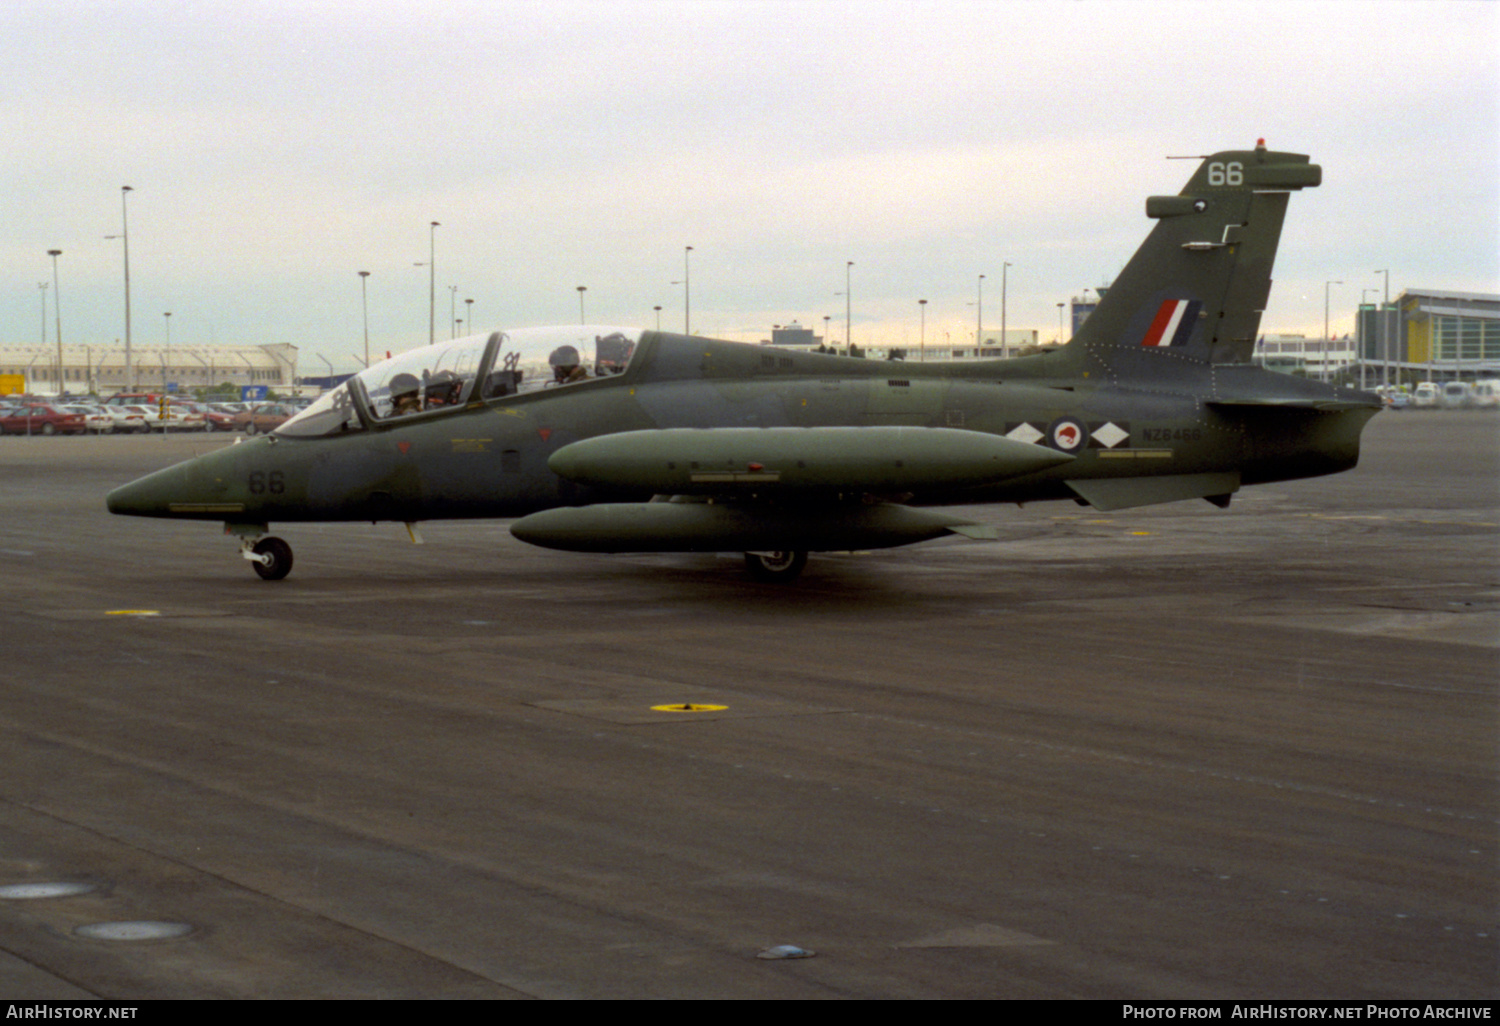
[[1455, 395], [1426, 396], [183, 417], [94, 417], [1486, 394], [42, 420], [133, 399], [264, 417], [177, 419], [214, 418], [128, 419]]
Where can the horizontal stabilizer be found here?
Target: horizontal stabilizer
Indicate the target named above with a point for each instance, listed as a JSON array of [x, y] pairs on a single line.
[[1125, 492]]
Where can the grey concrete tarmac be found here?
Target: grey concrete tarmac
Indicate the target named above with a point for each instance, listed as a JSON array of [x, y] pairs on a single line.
[[1174, 752]]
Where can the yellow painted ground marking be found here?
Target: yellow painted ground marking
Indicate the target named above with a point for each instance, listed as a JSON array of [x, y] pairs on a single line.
[[132, 612], [688, 707]]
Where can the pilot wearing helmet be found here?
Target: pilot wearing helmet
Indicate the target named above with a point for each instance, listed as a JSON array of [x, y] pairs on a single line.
[[443, 389], [406, 395], [567, 366]]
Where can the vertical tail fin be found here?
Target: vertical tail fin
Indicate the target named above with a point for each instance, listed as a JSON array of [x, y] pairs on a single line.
[[1196, 288]]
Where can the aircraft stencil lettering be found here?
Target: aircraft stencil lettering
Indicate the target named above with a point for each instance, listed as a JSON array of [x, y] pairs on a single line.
[[617, 440]]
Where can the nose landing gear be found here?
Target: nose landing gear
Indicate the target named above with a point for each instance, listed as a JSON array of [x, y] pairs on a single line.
[[271, 557]]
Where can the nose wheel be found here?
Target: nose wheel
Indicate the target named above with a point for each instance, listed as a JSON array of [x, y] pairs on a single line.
[[271, 557], [775, 567]]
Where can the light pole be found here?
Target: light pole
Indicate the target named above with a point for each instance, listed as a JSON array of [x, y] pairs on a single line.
[[43, 286], [469, 313], [687, 292], [1384, 339], [364, 303], [979, 319], [57, 311], [922, 338], [453, 311], [848, 307], [125, 191], [1326, 286], [166, 353], [657, 308], [1362, 294], [581, 290], [432, 283], [1004, 270], [1059, 324], [827, 320]]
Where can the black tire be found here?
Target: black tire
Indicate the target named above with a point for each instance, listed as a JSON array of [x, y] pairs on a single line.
[[280, 554], [775, 567], [250, 427], [48, 429]]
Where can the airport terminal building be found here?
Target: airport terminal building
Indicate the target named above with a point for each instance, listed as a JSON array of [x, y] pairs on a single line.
[[102, 370], [1423, 334], [1454, 335]]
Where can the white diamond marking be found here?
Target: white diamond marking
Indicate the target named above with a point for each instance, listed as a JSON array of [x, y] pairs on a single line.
[[1110, 435]]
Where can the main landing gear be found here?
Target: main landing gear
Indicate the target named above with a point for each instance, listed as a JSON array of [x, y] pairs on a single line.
[[775, 567], [271, 557]]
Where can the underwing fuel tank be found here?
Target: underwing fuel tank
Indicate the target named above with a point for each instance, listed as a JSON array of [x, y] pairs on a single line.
[[787, 460], [719, 527]]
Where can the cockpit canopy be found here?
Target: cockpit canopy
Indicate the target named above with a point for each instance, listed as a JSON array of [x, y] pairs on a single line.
[[449, 375]]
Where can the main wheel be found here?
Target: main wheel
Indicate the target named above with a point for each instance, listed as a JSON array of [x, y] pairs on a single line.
[[279, 563], [777, 567]]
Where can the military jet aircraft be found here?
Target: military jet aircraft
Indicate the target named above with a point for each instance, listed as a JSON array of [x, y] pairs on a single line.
[[603, 439]]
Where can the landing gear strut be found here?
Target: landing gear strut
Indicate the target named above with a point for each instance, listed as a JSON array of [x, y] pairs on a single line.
[[775, 567]]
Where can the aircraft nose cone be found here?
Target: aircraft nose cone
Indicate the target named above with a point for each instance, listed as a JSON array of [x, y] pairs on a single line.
[[196, 488], [127, 499], [148, 496]]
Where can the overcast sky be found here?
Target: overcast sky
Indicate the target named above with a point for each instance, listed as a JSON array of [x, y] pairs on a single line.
[[276, 149]]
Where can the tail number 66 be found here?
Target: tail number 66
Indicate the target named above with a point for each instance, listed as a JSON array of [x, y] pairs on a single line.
[[1231, 174]]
